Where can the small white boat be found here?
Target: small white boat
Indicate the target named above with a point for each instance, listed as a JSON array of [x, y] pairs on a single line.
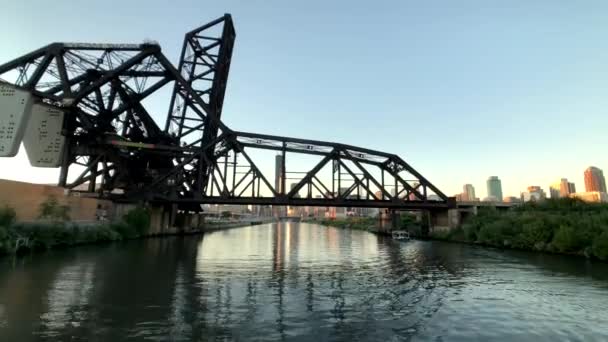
[[401, 235]]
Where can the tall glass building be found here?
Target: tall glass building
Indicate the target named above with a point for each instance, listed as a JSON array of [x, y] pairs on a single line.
[[468, 192], [494, 188]]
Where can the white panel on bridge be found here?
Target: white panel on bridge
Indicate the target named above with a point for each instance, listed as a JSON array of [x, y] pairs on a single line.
[[15, 105], [43, 140]]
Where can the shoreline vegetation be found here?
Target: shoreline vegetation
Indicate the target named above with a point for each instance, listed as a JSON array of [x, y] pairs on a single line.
[[408, 222], [54, 230], [558, 226]]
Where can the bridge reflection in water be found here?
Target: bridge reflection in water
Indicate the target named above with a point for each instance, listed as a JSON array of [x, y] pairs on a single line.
[[287, 280]]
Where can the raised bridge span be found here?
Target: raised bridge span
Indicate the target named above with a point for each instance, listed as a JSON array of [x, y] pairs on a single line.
[[86, 108]]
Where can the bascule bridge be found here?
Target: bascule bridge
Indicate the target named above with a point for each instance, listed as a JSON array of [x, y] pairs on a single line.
[[84, 108]]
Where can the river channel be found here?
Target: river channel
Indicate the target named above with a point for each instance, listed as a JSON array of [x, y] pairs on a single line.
[[300, 282]]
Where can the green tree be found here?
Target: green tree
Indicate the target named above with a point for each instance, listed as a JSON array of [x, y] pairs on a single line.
[[52, 210], [4, 240], [138, 219], [566, 239], [600, 246], [535, 234], [470, 230], [7, 216]]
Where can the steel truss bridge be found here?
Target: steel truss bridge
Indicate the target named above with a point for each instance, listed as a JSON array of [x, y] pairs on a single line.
[[115, 149]]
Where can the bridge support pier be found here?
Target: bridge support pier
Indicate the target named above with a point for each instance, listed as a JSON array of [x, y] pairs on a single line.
[[395, 218], [445, 219], [162, 218], [388, 220]]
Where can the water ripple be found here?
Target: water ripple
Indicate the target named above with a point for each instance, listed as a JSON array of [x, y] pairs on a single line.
[[300, 282]]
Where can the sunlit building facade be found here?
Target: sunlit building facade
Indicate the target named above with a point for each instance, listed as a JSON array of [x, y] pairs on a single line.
[[534, 193], [594, 180], [468, 193], [591, 196], [563, 188]]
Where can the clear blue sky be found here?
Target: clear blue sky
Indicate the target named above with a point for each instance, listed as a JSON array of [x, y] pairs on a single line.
[[460, 89]]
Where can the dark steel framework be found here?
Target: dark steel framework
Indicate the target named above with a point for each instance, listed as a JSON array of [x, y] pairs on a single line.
[[121, 153]]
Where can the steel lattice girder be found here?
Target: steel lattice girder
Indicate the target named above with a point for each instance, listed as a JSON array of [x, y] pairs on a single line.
[[193, 159]]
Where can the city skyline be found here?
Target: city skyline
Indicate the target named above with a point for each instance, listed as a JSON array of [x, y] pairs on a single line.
[[518, 78], [563, 188]]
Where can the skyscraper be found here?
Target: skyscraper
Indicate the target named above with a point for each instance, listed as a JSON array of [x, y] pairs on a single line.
[[494, 188], [278, 184], [468, 193], [563, 188], [571, 188], [278, 167], [594, 179]]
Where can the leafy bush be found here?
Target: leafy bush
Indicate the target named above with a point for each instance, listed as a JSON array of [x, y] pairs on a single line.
[[456, 234], [600, 246], [534, 234], [470, 232], [52, 210], [4, 240], [53, 233], [7, 216], [106, 233], [566, 239], [138, 219], [44, 235], [86, 234], [563, 225], [125, 230]]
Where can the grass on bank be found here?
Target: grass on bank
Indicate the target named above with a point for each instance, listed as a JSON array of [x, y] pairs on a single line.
[[54, 231], [568, 226]]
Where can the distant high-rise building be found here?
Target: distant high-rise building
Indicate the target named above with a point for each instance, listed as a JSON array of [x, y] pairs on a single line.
[[563, 188], [535, 193], [468, 193], [594, 180], [278, 183], [278, 172], [571, 188], [494, 188], [291, 187], [538, 190]]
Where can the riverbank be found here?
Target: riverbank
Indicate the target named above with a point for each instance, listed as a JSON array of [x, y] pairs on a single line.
[[358, 223], [564, 226], [18, 237], [370, 224]]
